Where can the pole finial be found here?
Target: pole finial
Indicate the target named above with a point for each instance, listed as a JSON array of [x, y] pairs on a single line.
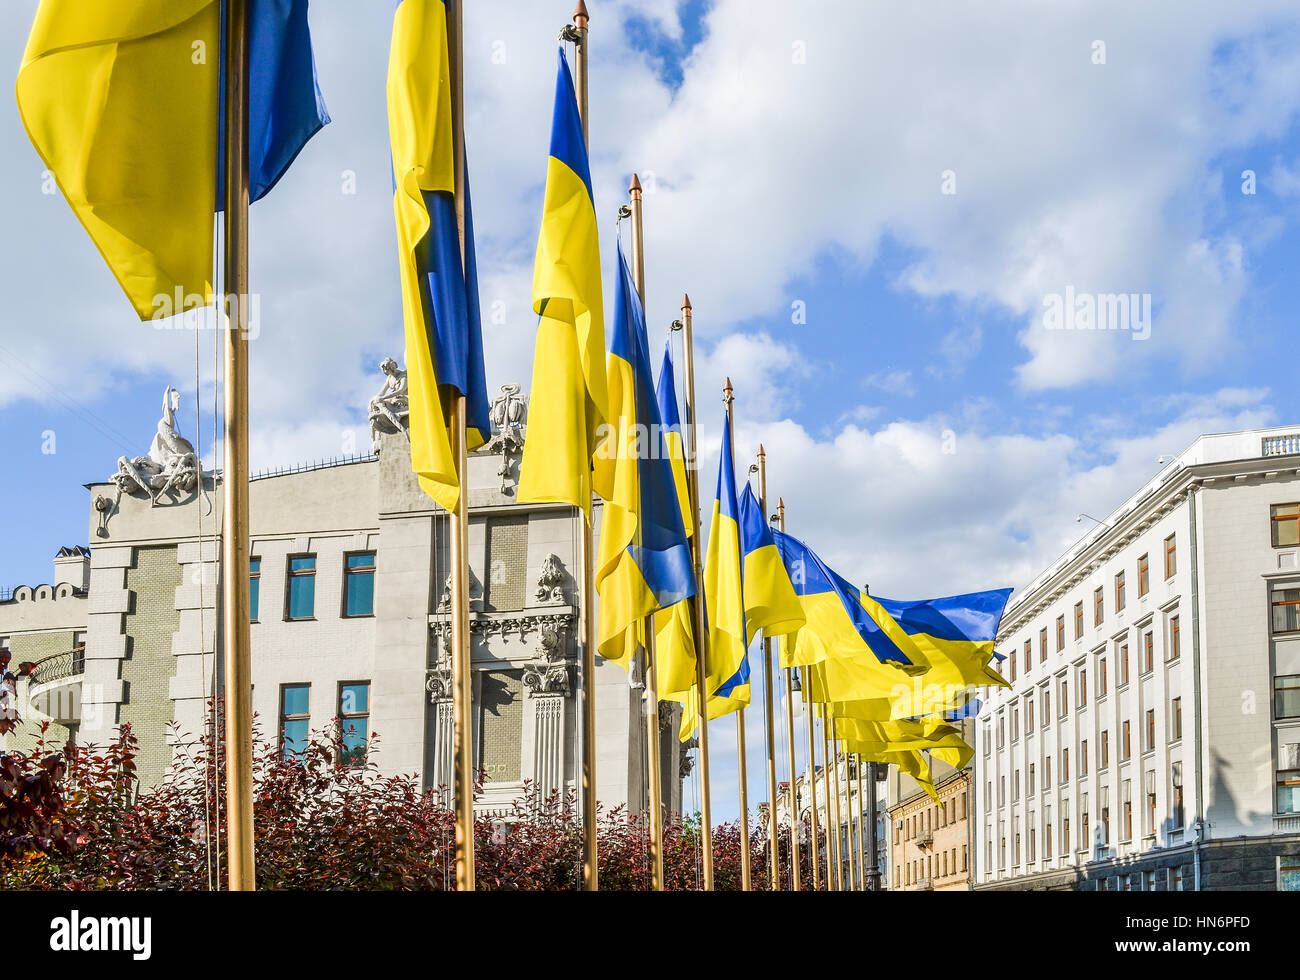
[[580, 16], [634, 188], [686, 301], [726, 388], [762, 453]]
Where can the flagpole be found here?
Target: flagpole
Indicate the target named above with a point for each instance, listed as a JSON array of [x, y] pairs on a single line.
[[769, 727], [863, 830], [698, 618], [656, 815], [728, 398], [235, 542], [577, 32], [457, 422], [855, 862], [795, 820]]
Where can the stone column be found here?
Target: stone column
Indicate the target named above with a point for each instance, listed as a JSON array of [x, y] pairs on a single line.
[[441, 774]]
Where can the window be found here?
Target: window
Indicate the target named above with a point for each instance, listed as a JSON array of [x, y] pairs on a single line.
[[1286, 610], [354, 722], [1042, 645], [1285, 519], [295, 718], [1171, 556], [1151, 729], [1029, 714], [1174, 639], [254, 586], [1101, 678], [964, 857], [1033, 828], [1105, 750], [1012, 661], [359, 584], [1002, 730], [1144, 575], [1176, 804], [300, 601], [1083, 823], [1098, 606], [1065, 826], [1029, 653], [1047, 832], [1119, 592], [1047, 707], [1065, 765], [1148, 651], [1123, 664], [1047, 771], [1065, 698], [1031, 779], [1286, 696], [1015, 723], [1083, 758], [1060, 633], [1176, 719], [1128, 810], [78, 652], [1151, 801], [1125, 749], [1083, 687], [1078, 620], [1176, 879], [988, 795], [1105, 814], [1015, 786]]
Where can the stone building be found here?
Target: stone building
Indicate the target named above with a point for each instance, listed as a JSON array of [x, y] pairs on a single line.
[[929, 841], [1151, 736], [351, 618]]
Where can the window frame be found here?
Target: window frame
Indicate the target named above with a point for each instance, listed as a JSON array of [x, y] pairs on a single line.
[[1121, 597], [1078, 620], [1275, 604], [1171, 556], [349, 573], [1060, 632], [344, 717], [1098, 606], [1144, 575], [1274, 522], [254, 588], [1292, 685], [290, 573], [1175, 636], [287, 717]]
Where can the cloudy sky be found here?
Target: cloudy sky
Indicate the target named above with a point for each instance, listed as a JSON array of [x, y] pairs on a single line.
[[872, 207]]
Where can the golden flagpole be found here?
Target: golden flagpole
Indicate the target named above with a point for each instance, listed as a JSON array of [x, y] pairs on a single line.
[[795, 821], [459, 539], [728, 398], [235, 544], [863, 830], [577, 33], [698, 617], [769, 724], [656, 815]]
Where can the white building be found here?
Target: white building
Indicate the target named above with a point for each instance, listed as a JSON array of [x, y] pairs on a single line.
[[1151, 736]]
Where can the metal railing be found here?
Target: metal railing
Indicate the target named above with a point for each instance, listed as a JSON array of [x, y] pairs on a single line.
[[925, 838], [320, 464], [1283, 445], [58, 667]]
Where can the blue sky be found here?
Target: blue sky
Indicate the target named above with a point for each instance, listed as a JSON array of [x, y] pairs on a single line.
[[788, 160]]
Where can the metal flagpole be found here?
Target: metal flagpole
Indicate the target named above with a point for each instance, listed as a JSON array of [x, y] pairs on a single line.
[[863, 828], [769, 723], [577, 33], [855, 838], [795, 820], [697, 608], [459, 538], [235, 542], [728, 398], [873, 856], [651, 682]]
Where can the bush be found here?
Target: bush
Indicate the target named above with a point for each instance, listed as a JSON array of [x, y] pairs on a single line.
[[72, 820]]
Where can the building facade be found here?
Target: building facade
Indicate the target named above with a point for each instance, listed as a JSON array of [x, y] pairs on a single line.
[[930, 842], [350, 598], [1151, 736]]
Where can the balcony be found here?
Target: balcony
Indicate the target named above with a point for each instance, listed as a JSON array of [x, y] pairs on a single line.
[[925, 839], [1283, 445], [54, 686], [924, 885]]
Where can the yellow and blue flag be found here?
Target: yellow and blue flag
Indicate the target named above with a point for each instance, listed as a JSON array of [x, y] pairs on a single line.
[[770, 601], [724, 596], [122, 101], [666, 394], [570, 396], [644, 560], [440, 303]]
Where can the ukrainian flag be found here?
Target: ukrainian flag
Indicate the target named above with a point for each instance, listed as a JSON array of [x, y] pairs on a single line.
[[674, 632], [724, 597], [770, 601], [644, 561], [440, 304], [122, 101], [955, 636], [570, 397]]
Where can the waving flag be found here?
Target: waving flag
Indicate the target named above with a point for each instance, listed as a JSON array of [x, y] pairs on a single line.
[[122, 101], [440, 304], [644, 561], [770, 601], [724, 598], [570, 396]]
